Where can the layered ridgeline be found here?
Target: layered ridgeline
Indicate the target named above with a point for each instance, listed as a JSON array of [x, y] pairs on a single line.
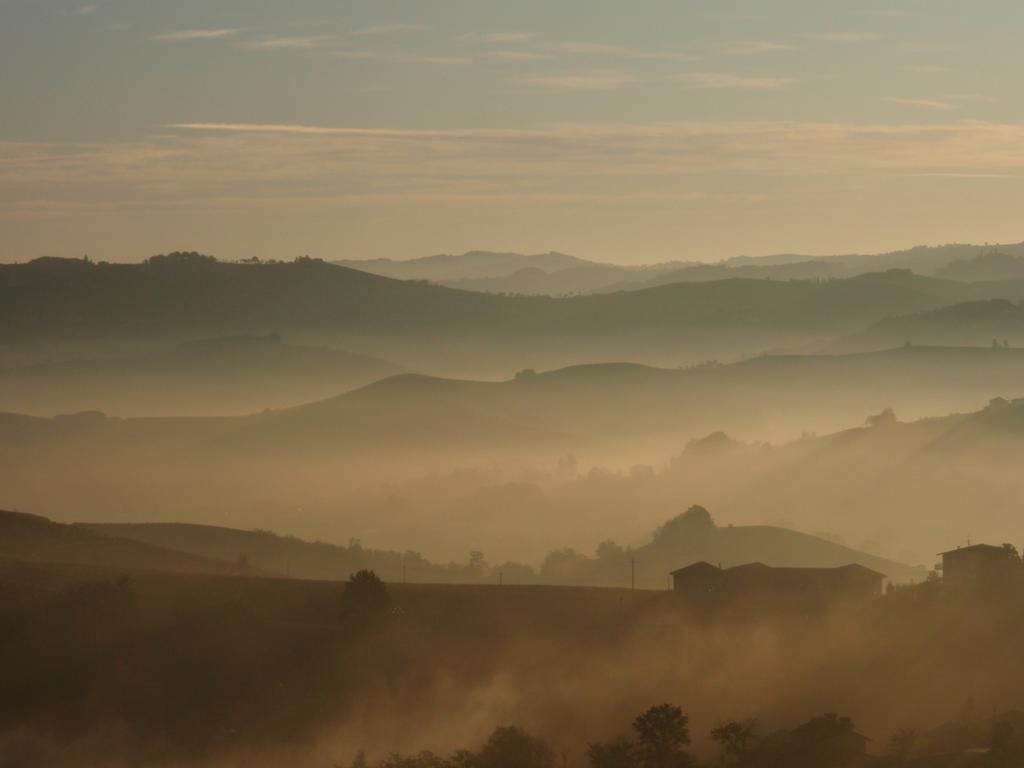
[[558, 274], [49, 304], [581, 409], [113, 548], [903, 489], [686, 539]]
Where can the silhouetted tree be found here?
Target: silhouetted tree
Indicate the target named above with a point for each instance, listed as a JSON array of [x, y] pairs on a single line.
[[662, 734], [1002, 738], [901, 744], [622, 753], [694, 522], [735, 740], [824, 742], [365, 598], [512, 747], [883, 419]]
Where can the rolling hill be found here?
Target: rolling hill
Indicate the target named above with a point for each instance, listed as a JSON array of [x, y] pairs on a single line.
[[992, 322], [232, 375], [441, 329], [407, 460], [689, 538], [31, 539], [555, 274], [769, 397], [574, 409], [472, 265]]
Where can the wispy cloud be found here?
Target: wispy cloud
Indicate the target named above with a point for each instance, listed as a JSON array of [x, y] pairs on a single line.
[[500, 38], [86, 10], [502, 55], [930, 69], [400, 57], [896, 13], [285, 164], [618, 51], [388, 29], [277, 43], [750, 47], [580, 81], [848, 37], [955, 175], [721, 81], [188, 35], [979, 98], [930, 104]]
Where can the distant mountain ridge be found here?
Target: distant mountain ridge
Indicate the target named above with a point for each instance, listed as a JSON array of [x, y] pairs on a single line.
[[470, 265], [431, 327], [557, 274]]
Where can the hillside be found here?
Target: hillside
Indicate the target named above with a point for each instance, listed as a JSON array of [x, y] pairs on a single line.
[[220, 376], [686, 539], [989, 265], [904, 490], [436, 328], [518, 467], [767, 397], [31, 539], [580, 409], [974, 323], [922, 259], [472, 265], [555, 274], [812, 269]]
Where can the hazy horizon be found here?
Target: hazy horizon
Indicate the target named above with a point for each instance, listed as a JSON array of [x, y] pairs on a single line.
[[630, 134]]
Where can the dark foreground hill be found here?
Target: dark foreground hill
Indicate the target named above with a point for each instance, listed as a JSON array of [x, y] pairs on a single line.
[[170, 670], [428, 326]]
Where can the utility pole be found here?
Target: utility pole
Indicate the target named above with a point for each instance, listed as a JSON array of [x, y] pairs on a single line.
[[403, 573], [632, 573]]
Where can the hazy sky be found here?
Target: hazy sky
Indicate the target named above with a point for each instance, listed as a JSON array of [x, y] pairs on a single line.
[[627, 131]]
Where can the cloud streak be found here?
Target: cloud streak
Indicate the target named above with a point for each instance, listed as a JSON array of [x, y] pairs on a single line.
[[618, 51], [930, 104], [720, 81], [580, 81], [387, 29], [667, 161], [189, 35], [500, 38], [275, 43]]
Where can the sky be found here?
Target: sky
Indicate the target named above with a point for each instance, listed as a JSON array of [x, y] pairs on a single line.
[[631, 132]]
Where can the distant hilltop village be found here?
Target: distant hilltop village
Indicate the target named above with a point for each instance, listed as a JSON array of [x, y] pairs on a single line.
[[973, 570]]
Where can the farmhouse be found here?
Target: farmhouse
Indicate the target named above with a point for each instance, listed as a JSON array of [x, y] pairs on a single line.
[[979, 567], [777, 587]]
